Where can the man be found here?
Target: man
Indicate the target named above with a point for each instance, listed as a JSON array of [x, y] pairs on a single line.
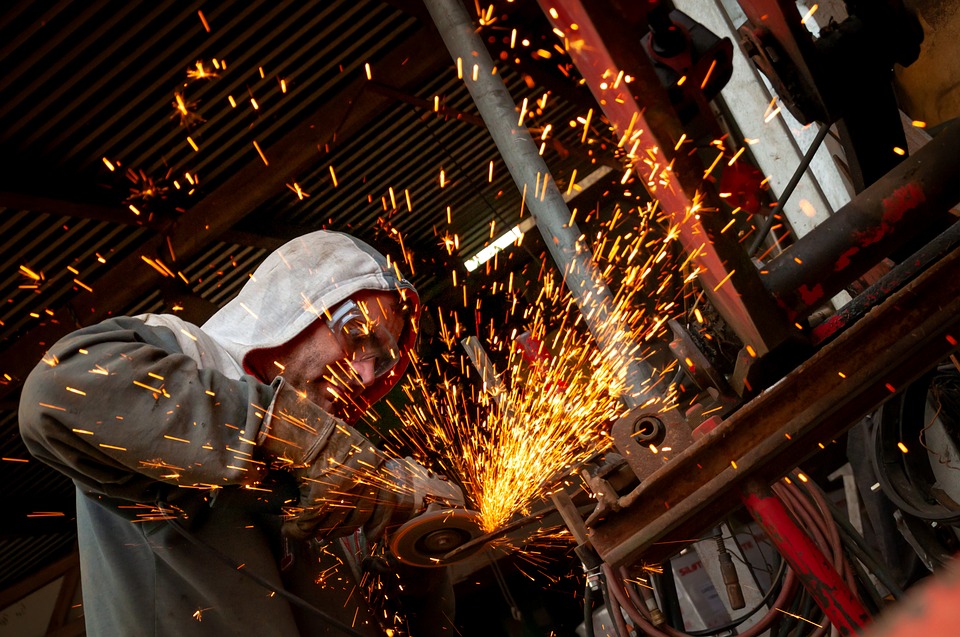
[[186, 443]]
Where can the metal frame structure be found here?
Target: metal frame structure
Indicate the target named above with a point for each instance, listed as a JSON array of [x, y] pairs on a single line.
[[733, 462], [779, 429]]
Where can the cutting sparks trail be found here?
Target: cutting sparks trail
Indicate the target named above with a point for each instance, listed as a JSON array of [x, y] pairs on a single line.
[[509, 440]]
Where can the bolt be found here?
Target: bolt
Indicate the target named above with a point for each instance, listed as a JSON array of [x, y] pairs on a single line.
[[648, 430]]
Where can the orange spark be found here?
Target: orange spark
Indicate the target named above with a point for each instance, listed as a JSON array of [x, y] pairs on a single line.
[[260, 152]]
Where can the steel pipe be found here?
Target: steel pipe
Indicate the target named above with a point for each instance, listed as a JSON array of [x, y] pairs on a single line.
[[884, 217], [889, 283], [532, 177]]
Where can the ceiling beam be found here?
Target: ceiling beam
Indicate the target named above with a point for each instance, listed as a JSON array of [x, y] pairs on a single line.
[[411, 62], [59, 626], [38, 580], [81, 210]]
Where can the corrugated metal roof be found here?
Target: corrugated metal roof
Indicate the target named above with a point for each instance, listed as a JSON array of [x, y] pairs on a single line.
[[89, 81]]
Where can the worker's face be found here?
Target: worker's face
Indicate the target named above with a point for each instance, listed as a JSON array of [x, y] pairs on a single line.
[[336, 358]]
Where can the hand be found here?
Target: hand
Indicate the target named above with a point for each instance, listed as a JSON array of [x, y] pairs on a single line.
[[339, 489], [362, 492], [422, 485], [345, 483]]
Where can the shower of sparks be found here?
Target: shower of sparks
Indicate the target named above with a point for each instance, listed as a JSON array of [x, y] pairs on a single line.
[[200, 72], [523, 434], [798, 617], [186, 111], [550, 406]]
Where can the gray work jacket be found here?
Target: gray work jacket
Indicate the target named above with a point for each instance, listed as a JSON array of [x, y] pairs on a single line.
[[146, 431]]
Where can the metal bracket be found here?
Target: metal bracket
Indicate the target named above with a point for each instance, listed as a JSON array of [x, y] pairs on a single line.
[[647, 440]]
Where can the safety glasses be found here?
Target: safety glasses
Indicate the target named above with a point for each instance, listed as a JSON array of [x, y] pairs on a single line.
[[363, 339]]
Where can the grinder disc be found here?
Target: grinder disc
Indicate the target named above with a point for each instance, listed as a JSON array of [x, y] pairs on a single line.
[[425, 539]]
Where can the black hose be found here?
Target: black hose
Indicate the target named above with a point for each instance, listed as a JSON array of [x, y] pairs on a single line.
[[803, 623], [588, 609], [868, 592], [786, 620], [736, 622], [671, 600], [863, 552]]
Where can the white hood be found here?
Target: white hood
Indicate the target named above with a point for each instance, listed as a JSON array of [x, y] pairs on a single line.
[[301, 281]]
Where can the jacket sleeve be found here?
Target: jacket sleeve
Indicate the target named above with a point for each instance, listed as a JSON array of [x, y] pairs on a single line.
[[122, 411]]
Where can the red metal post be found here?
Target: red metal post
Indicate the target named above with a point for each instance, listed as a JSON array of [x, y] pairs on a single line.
[[813, 568], [626, 87]]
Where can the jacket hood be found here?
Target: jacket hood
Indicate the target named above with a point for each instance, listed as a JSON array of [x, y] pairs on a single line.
[[301, 282]]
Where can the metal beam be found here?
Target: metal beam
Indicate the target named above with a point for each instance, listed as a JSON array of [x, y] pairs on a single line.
[[775, 432], [81, 210], [905, 204], [413, 61], [532, 178], [602, 47]]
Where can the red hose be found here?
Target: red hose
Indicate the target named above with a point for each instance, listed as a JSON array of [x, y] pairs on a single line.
[[806, 506], [827, 587]]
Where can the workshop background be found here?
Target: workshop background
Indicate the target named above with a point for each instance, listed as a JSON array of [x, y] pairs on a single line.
[[156, 152]]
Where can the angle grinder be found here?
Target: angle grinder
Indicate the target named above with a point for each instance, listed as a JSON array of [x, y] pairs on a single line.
[[427, 538], [440, 522]]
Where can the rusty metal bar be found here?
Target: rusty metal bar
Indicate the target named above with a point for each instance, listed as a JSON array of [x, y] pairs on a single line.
[[879, 355], [532, 177], [609, 58], [896, 209], [888, 284]]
